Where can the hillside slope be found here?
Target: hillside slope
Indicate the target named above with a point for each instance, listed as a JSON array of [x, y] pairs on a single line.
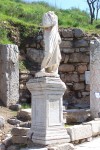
[[19, 19]]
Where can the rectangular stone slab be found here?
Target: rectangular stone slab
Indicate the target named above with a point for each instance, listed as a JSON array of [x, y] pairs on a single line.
[[78, 132]]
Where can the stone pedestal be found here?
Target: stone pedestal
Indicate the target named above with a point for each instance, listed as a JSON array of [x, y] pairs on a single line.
[[95, 78], [47, 114]]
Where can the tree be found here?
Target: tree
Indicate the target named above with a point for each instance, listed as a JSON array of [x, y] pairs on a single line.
[[91, 4], [97, 8], [94, 6]]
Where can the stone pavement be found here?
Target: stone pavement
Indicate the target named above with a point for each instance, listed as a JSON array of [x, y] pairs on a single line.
[[92, 145]]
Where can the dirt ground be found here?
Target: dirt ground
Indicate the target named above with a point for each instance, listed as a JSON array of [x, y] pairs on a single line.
[[7, 113]]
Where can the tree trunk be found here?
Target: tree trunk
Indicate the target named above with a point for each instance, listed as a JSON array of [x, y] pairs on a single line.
[[92, 9]]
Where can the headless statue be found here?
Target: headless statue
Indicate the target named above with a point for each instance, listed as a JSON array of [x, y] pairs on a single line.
[[52, 57]]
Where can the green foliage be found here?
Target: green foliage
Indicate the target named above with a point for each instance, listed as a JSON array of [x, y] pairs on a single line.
[[27, 18], [25, 106], [25, 65], [22, 65]]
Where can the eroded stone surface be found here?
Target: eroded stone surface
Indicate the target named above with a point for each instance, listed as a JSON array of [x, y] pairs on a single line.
[[21, 131], [19, 139], [47, 114], [78, 132], [95, 127], [9, 74], [95, 78], [77, 115], [24, 114]]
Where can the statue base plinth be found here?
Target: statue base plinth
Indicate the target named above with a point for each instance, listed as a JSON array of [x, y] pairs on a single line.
[[47, 112]]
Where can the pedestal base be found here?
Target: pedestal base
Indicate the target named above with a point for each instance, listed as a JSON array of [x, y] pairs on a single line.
[[52, 136], [47, 111]]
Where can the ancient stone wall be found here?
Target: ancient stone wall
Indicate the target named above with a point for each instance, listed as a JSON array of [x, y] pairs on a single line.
[[75, 62], [9, 74]]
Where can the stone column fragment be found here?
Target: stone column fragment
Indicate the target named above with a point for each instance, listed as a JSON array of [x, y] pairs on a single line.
[[95, 78], [9, 74]]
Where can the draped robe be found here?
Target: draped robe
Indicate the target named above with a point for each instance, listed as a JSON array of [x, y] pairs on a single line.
[[51, 40]]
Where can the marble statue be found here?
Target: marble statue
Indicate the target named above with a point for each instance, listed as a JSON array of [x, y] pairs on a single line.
[[52, 57]]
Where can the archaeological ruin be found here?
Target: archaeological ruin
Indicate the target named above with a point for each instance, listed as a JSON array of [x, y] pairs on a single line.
[[9, 74]]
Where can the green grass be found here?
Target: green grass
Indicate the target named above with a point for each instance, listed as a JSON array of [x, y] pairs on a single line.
[[27, 18], [25, 106]]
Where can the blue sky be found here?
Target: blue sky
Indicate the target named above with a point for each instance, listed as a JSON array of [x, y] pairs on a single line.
[[66, 4]]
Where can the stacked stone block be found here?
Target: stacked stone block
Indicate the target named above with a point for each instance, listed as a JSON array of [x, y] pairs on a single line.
[[75, 61], [24, 94]]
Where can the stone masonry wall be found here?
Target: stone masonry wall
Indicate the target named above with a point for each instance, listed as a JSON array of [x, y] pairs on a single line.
[[75, 61]]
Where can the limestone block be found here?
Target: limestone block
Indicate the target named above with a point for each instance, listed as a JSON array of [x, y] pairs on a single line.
[[81, 43], [66, 59], [78, 132], [26, 124], [24, 114], [67, 50], [66, 44], [82, 77], [82, 106], [86, 99], [81, 68], [95, 77], [9, 77], [25, 76], [71, 77], [84, 49], [79, 86], [78, 33], [95, 125], [24, 72], [35, 55], [66, 68], [21, 131], [87, 87], [13, 121], [67, 33], [76, 115], [79, 57], [19, 139], [84, 94]]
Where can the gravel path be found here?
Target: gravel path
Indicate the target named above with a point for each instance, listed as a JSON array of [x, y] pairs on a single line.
[[92, 145]]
